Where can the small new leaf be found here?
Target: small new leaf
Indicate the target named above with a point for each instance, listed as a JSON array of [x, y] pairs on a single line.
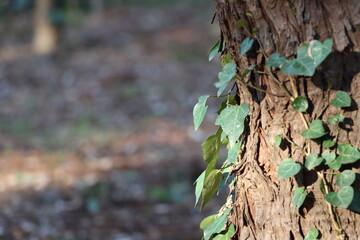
[[313, 161], [330, 160], [342, 99], [328, 143], [343, 198], [316, 130], [300, 104], [225, 76], [312, 234], [288, 168], [246, 45], [231, 120], [200, 111], [299, 197], [348, 154], [278, 140], [217, 226], [345, 178]]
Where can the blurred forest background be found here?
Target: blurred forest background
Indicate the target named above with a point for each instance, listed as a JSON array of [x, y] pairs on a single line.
[[97, 140]]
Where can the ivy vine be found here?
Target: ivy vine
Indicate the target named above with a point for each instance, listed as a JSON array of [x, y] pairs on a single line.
[[232, 122]]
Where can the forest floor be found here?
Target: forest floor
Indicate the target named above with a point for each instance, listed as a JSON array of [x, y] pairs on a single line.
[[97, 140]]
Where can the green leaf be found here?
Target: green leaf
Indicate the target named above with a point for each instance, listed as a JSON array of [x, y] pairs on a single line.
[[207, 221], [320, 51], [300, 104], [299, 197], [247, 70], [278, 140], [312, 234], [345, 178], [303, 50], [200, 111], [227, 235], [300, 66], [246, 45], [275, 60], [335, 120], [211, 148], [231, 120], [313, 161], [328, 143], [330, 160], [216, 227], [348, 154], [211, 185], [343, 198], [342, 99], [316, 130], [225, 102], [214, 50], [233, 153], [225, 76], [288, 168], [199, 183]]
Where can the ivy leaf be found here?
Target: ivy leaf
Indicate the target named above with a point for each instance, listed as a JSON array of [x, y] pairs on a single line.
[[246, 45], [299, 197], [216, 227], [303, 50], [320, 51], [231, 120], [225, 102], [233, 153], [316, 130], [288, 168], [328, 143], [345, 178], [200, 111], [313, 161], [275, 60], [211, 148], [312, 234], [225, 76], [348, 154], [207, 221], [278, 140], [331, 161], [343, 198], [211, 185], [227, 235], [214, 50], [342, 99], [199, 183], [299, 66], [300, 104]]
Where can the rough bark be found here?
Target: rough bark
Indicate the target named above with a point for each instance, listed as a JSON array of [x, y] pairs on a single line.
[[263, 205], [45, 33]]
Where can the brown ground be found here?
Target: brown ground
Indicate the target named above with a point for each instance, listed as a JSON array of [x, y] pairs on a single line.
[[97, 140]]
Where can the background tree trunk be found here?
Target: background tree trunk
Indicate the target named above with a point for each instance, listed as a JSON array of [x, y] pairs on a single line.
[[45, 33], [263, 207]]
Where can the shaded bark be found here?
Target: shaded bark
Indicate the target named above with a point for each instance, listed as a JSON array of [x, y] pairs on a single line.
[[263, 207]]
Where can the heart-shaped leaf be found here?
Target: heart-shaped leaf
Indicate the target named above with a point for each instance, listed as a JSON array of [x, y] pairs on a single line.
[[207, 221], [342, 99], [345, 178], [348, 154], [231, 120], [313, 161], [211, 185], [330, 160], [316, 130], [299, 197], [288, 168], [343, 198], [227, 235], [275, 60], [328, 143], [246, 45], [300, 104], [300, 66], [200, 111], [312, 234], [225, 76], [320, 51], [216, 227]]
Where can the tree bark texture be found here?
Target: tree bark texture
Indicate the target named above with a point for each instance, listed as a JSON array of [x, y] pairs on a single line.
[[263, 207]]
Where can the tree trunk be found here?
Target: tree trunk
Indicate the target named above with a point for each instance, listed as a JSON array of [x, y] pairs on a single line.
[[263, 207], [45, 33]]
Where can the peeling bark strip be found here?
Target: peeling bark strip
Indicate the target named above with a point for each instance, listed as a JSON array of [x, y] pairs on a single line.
[[263, 205]]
